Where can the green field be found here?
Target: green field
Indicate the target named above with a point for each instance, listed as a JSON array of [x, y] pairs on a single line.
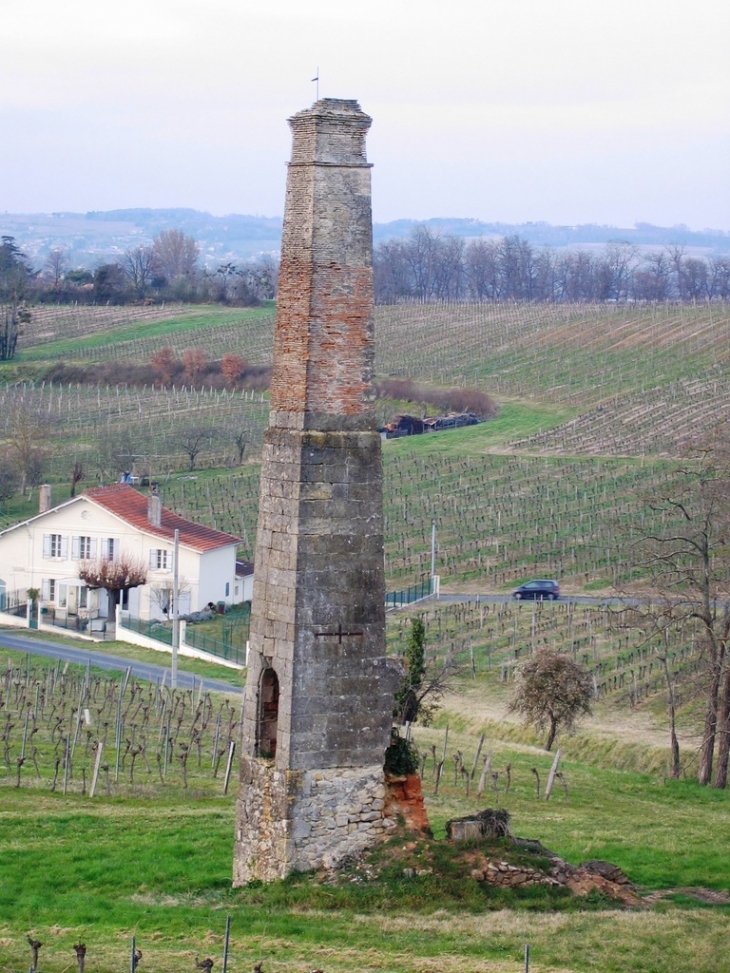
[[596, 405]]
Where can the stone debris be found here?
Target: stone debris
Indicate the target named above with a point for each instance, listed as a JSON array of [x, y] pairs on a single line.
[[590, 876], [581, 880], [490, 823]]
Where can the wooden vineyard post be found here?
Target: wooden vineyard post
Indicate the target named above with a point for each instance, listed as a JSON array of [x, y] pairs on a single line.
[[229, 765], [97, 765], [551, 775], [485, 770]]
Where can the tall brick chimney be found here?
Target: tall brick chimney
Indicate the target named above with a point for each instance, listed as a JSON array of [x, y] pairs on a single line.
[[44, 498], [154, 506], [319, 692]]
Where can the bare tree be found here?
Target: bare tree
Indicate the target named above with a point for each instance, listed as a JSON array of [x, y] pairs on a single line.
[[55, 267], [651, 279], [683, 553], [27, 434], [552, 691], [138, 265], [163, 593], [482, 270], [193, 441], [77, 474], [9, 480], [262, 275], [175, 255], [114, 577]]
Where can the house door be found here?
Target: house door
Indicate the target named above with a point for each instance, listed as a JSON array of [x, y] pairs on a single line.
[[73, 600]]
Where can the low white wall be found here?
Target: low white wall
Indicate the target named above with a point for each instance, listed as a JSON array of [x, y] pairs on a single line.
[[145, 642], [12, 621], [125, 635]]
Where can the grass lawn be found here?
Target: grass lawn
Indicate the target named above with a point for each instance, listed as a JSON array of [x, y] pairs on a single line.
[[134, 653], [100, 871]]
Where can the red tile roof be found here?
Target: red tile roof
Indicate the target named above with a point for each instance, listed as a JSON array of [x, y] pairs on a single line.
[[131, 506]]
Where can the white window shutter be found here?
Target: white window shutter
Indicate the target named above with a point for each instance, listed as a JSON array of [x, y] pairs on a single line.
[[64, 547], [153, 559], [46, 545], [75, 548], [45, 588], [92, 550]]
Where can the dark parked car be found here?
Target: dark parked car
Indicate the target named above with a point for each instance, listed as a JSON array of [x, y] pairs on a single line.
[[549, 590]]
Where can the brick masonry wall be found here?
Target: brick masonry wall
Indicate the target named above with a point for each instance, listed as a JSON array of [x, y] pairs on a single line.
[[323, 345]]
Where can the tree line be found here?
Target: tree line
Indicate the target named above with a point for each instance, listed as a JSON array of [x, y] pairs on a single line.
[[167, 269], [430, 267]]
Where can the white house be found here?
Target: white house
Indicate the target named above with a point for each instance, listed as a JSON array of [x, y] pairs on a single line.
[[117, 523]]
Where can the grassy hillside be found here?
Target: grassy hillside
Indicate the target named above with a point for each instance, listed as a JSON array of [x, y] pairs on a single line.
[[595, 404], [593, 400], [151, 857]]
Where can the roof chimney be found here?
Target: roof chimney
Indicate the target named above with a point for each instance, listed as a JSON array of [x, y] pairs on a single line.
[[154, 506], [44, 498]]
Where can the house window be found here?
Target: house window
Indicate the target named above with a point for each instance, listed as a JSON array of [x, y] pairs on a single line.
[[228, 588], [83, 548], [55, 546], [160, 560], [111, 549], [84, 597], [48, 589]]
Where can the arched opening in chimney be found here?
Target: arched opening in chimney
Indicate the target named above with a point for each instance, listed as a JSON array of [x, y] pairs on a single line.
[[268, 717]]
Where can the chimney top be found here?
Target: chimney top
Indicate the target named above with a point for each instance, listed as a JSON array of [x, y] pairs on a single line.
[[154, 507], [44, 498]]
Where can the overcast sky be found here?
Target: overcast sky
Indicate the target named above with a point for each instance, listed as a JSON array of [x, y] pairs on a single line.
[[569, 111]]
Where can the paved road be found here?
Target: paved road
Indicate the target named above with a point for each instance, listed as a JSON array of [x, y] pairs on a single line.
[[101, 660], [503, 599]]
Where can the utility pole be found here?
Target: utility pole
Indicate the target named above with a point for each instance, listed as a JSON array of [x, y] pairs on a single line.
[[175, 611]]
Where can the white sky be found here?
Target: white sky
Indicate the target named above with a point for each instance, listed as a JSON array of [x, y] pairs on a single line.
[[570, 111]]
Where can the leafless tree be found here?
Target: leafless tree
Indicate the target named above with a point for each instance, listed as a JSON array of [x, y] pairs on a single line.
[[683, 552], [77, 473], [26, 436], [9, 480], [114, 577], [193, 440], [138, 265], [719, 271], [552, 691], [651, 279], [175, 255], [482, 270], [55, 267], [162, 593]]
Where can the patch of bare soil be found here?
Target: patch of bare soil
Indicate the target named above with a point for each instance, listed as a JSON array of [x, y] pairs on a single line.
[[707, 896], [629, 725]]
